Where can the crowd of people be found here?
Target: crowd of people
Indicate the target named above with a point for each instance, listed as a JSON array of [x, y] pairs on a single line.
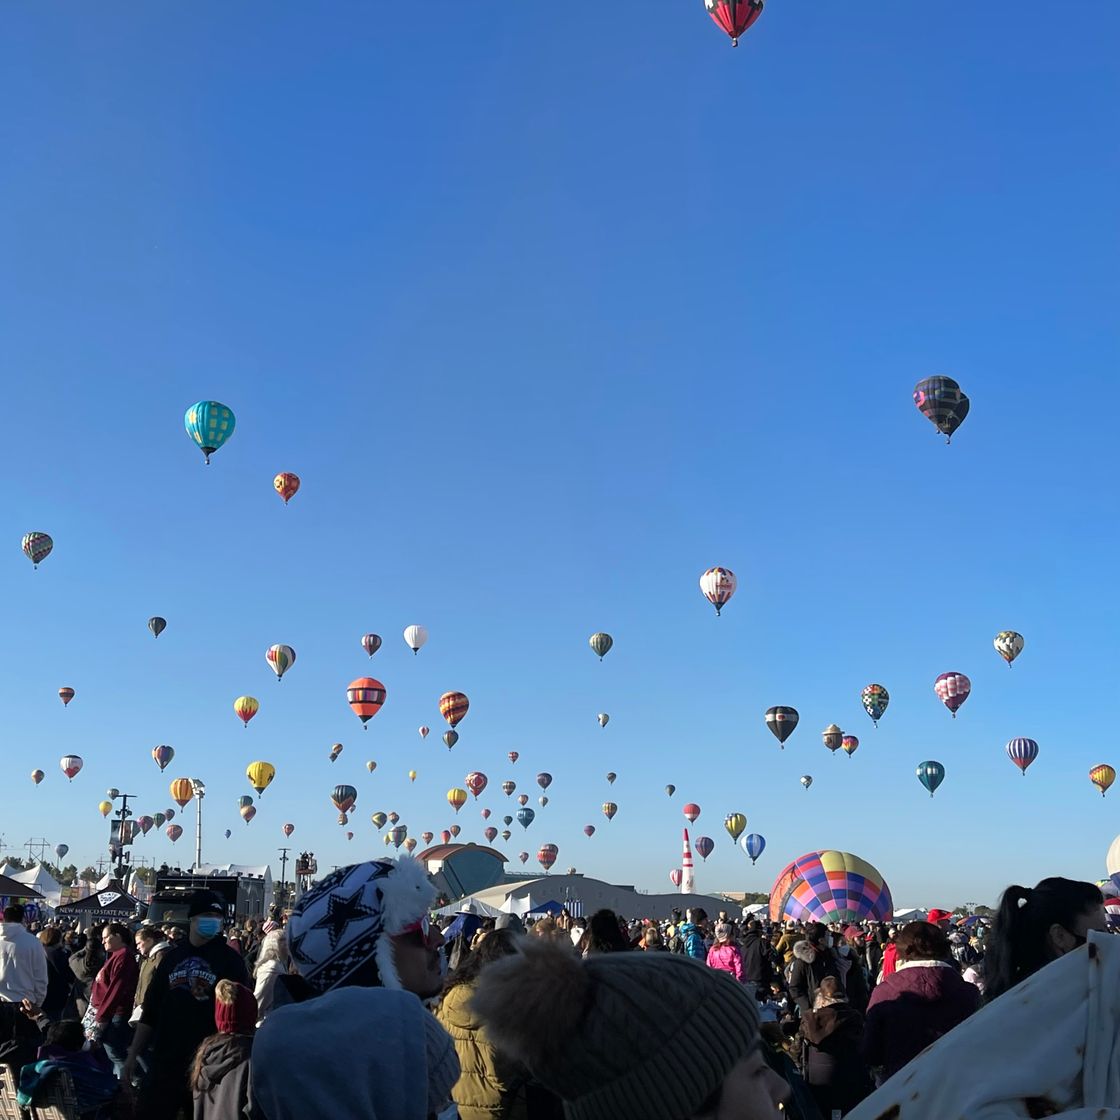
[[356, 1004]]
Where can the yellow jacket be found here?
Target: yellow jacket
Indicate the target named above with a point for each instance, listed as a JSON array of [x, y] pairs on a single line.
[[786, 943], [490, 1086]]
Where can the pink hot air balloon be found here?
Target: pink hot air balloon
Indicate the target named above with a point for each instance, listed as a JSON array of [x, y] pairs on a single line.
[[145, 824], [445, 836], [704, 846], [288, 829], [523, 856], [490, 833], [691, 812], [513, 756], [485, 814], [589, 830], [427, 837], [546, 855], [174, 831], [675, 877], [952, 690], [475, 782]]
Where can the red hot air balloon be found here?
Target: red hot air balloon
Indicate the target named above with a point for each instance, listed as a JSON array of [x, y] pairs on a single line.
[[952, 690], [371, 643], [424, 732], [675, 877], [70, 765], [734, 17], [453, 706], [691, 812], [589, 830], [365, 695], [173, 831], [546, 856], [704, 846], [485, 814], [513, 756], [286, 485], [288, 829], [427, 837], [37, 776], [475, 782], [445, 836], [65, 694], [490, 833]]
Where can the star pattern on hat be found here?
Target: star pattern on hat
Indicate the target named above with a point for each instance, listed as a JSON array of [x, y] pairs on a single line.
[[341, 911], [295, 944]]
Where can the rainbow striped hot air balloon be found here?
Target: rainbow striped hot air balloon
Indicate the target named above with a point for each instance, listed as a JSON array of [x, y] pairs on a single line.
[[453, 707], [37, 547], [281, 658], [830, 886]]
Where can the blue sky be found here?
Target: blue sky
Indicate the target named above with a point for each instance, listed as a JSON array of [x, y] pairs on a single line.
[[551, 313]]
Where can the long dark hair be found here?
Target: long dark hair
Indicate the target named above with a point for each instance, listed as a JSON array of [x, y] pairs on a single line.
[[603, 935], [1020, 942], [498, 943]]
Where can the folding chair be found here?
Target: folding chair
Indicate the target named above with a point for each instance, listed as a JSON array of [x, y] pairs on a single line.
[[9, 1106], [59, 1100]]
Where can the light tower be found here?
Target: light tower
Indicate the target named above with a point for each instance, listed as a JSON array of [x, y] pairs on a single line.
[[199, 790]]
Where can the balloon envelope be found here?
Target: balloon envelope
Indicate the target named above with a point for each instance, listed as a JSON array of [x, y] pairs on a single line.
[[181, 791], [66, 694], [952, 690], [1022, 752], [735, 824], [601, 644], [281, 658], [603, 719], [941, 401], [371, 643], [753, 845], [415, 637], [453, 706], [609, 810], [365, 697], [209, 424], [781, 721], [162, 755], [260, 775], [344, 798], [286, 484], [1009, 645], [288, 829], [691, 811], [544, 780], [37, 547], [704, 845], [589, 830], [1102, 776], [718, 585], [37, 776], [546, 855], [157, 625], [246, 707], [734, 17], [875, 699], [173, 832], [525, 817], [475, 782], [70, 765], [830, 886], [456, 798], [931, 774], [675, 876]]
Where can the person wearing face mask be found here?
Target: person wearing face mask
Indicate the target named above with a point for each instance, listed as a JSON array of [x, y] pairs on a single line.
[[177, 1014], [1034, 927]]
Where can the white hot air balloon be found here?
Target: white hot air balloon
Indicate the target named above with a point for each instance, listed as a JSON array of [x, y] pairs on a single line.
[[718, 585], [415, 637]]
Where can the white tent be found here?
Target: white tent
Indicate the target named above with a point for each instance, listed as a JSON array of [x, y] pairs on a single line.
[[910, 915], [39, 879]]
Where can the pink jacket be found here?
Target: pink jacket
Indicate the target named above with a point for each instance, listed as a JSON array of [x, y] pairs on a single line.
[[727, 958]]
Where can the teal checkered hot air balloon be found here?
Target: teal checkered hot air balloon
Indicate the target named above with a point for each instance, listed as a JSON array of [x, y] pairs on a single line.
[[209, 424]]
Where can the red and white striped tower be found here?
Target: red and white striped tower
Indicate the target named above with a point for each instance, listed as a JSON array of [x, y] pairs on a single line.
[[687, 883]]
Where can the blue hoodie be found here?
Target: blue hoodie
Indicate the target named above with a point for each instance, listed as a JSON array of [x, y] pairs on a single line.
[[693, 941]]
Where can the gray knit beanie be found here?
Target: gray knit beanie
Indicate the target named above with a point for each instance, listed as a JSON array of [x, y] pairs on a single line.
[[618, 1036]]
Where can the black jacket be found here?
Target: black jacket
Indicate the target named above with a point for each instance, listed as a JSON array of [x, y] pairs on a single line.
[[756, 960], [810, 966], [833, 1063]]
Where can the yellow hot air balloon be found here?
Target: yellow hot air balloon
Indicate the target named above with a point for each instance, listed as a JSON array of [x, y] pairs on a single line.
[[456, 798], [736, 824], [412, 775], [181, 791], [260, 775], [1102, 776], [106, 807], [246, 707]]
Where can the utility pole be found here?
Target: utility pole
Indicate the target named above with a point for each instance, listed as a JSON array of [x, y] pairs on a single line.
[[123, 840], [283, 875], [36, 847]]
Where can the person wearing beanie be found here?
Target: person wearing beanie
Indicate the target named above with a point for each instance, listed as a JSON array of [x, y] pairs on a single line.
[[630, 1036], [358, 1053], [220, 1075], [724, 953]]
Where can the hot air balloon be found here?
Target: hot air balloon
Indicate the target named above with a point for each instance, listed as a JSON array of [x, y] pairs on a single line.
[[609, 810], [522, 799], [37, 547], [344, 819], [70, 765], [485, 814], [675, 877], [523, 856], [379, 820], [344, 798], [336, 750], [159, 819], [286, 484], [513, 756], [952, 690], [806, 780], [611, 777], [371, 766], [427, 837], [542, 801], [281, 658], [941, 401], [162, 755], [246, 707], [546, 855], [735, 823], [718, 585], [157, 625], [603, 719], [544, 780], [37, 776], [506, 834], [412, 775], [365, 696], [60, 851], [371, 643], [414, 638], [145, 824], [476, 782], [65, 694], [1022, 752], [1102, 776], [781, 721], [169, 814], [112, 794], [455, 830], [831, 887], [734, 16], [243, 801], [409, 844], [670, 790], [456, 798], [833, 737], [453, 707], [525, 817], [450, 738], [394, 817], [850, 744], [589, 830], [173, 832], [209, 424], [601, 644], [105, 808], [260, 775], [229, 833], [753, 845], [875, 700], [931, 775], [704, 845], [248, 813], [287, 829], [691, 812], [490, 833], [508, 788], [1009, 645]]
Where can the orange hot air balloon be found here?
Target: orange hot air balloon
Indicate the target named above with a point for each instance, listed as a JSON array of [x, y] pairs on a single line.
[[181, 791], [1102, 776], [65, 695], [246, 707], [365, 695], [453, 706], [456, 798], [286, 485]]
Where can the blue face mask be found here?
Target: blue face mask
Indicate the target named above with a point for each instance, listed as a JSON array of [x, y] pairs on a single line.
[[208, 927]]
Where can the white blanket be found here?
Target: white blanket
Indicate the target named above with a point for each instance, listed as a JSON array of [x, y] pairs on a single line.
[[1048, 1048]]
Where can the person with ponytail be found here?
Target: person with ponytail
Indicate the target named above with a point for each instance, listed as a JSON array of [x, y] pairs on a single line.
[[1034, 927]]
